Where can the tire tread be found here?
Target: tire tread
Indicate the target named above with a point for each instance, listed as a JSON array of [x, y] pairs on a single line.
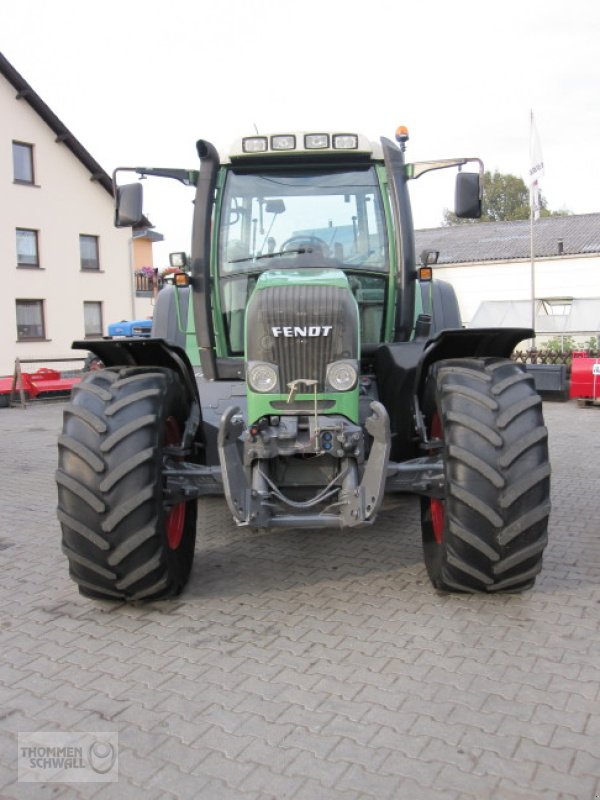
[[111, 506], [497, 470]]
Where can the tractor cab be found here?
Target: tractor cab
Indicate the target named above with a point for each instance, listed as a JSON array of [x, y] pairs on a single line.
[[309, 207]]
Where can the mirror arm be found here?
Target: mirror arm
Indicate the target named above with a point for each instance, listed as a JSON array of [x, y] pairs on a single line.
[[418, 168], [188, 177]]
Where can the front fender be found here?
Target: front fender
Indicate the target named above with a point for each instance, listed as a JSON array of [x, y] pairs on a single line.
[[469, 343], [142, 352], [148, 352], [402, 369]]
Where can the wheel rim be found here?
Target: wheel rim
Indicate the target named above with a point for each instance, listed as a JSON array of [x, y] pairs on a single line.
[[437, 507], [175, 521]]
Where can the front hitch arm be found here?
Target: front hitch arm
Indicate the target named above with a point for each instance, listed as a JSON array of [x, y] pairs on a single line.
[[184, 481], [364, 502], [423, 476]]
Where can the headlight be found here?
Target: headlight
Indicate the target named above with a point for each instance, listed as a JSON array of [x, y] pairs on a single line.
[[341, 376], [262, 377]]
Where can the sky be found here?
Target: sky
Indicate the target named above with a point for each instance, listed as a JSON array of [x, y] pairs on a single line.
[[139, 82]]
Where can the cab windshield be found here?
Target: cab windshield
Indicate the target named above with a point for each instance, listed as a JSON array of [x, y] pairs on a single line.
[[308, 218], [286, 219]]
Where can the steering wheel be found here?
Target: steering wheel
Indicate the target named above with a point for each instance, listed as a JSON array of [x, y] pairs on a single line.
[[300, 239]]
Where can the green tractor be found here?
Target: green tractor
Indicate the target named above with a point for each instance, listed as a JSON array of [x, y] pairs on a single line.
[[303, 366]]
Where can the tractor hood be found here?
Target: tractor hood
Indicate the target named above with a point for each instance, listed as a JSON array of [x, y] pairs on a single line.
[[299, 324]]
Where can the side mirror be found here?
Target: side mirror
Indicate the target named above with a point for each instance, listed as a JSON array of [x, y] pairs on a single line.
[[129, 205], [429, 257], [467, 198]]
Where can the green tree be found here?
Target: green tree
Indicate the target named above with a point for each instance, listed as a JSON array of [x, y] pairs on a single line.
[[505, 198]]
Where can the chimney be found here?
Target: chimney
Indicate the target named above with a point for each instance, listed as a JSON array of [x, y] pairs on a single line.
[[560, 247]]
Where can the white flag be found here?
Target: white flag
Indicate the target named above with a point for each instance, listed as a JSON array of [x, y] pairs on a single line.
[[536, 170]]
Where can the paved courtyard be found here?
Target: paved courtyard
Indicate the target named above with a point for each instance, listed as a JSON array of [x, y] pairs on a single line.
[[316, 665]]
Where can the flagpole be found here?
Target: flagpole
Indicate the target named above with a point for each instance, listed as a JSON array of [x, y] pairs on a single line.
[[536, 171], [532, 271]]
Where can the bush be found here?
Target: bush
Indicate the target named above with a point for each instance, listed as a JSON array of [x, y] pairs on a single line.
[[560, 344]]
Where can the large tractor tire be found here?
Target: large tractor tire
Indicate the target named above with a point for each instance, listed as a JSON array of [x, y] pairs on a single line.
[[122, 540], [489, 531]]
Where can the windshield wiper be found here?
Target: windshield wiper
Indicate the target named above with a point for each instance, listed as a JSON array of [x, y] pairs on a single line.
[[271, 255]]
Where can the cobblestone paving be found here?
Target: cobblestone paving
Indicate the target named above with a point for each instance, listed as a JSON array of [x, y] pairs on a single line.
[[308, 665]]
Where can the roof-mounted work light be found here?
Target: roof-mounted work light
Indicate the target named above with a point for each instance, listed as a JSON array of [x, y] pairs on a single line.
[[345, 141], [287, 142], [255, 144], [316, 141]]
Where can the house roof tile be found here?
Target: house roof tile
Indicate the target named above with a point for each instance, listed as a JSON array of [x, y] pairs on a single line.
[[505, 241]]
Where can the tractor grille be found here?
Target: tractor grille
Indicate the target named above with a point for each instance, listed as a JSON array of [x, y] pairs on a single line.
[[304, 313]]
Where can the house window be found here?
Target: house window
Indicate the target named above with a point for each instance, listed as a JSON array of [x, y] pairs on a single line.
[[22, 162], [30, 320], [27, 248], [92, 318], [88, 250]]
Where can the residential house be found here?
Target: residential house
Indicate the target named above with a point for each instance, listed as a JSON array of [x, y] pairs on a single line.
[[66, 270], [146, 277]]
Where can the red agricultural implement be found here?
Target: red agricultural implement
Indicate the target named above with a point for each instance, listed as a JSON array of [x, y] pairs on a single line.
[[42, 383], [585, 379]]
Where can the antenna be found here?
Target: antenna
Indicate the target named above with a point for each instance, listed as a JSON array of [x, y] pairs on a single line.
[[255, 128]]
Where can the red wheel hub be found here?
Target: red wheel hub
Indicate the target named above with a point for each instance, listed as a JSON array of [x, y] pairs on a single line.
[[175, 521], [437, 507]]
